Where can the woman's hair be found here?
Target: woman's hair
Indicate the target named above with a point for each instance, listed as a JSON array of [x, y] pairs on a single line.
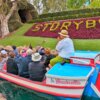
[[11, 54], [14, 47], [47, 51], [30, 46], [3, 55], [54, 52]]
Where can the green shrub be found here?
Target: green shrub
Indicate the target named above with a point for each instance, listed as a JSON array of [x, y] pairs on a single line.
[[71, 12], [73, 16]]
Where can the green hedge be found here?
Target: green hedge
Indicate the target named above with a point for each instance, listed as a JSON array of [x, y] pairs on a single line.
[[71, 12], [73, 16]]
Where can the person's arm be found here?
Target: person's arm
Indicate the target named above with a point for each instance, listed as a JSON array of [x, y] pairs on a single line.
[[59, 46]]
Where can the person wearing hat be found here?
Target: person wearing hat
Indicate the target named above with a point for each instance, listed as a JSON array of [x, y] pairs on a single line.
[[64, 47], [3, 58], [37, 69]]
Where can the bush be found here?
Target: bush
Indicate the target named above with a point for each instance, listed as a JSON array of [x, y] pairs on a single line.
[[70, 16], [71, 12]]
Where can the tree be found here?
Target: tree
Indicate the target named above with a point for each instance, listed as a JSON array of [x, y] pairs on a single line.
[[38, 5], [53, 5], [49, 6], [95, 4], [75, 4], [5, 14]]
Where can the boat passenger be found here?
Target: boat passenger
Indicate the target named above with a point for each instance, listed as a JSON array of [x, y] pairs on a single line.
[[40, 50], [8, 48], [11, 64], [30, 47], [64, 47], [15, 50], [48, 57], [3, 58], [23, 62], [37, 68]]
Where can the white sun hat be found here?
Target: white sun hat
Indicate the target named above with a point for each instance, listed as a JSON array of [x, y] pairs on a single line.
[[36, 57], [3, 52]]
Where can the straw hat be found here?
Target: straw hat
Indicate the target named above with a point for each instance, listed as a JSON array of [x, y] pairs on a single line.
[[36, 57], [63, 33]]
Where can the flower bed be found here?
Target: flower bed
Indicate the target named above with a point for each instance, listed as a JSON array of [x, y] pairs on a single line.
[[83, 28]]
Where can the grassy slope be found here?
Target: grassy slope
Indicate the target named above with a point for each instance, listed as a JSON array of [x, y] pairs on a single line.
[[18, 39]]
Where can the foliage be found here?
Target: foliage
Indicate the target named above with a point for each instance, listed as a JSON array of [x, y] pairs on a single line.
[[23, 4], [51, 6], [4, 8], [95, 4], [72, 14], [38, 5], [45, 6], [54, 6], [6, 4], [75, 4]]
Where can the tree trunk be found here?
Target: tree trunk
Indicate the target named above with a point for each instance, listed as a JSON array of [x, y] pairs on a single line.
[[5, 18], [4, 28]]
